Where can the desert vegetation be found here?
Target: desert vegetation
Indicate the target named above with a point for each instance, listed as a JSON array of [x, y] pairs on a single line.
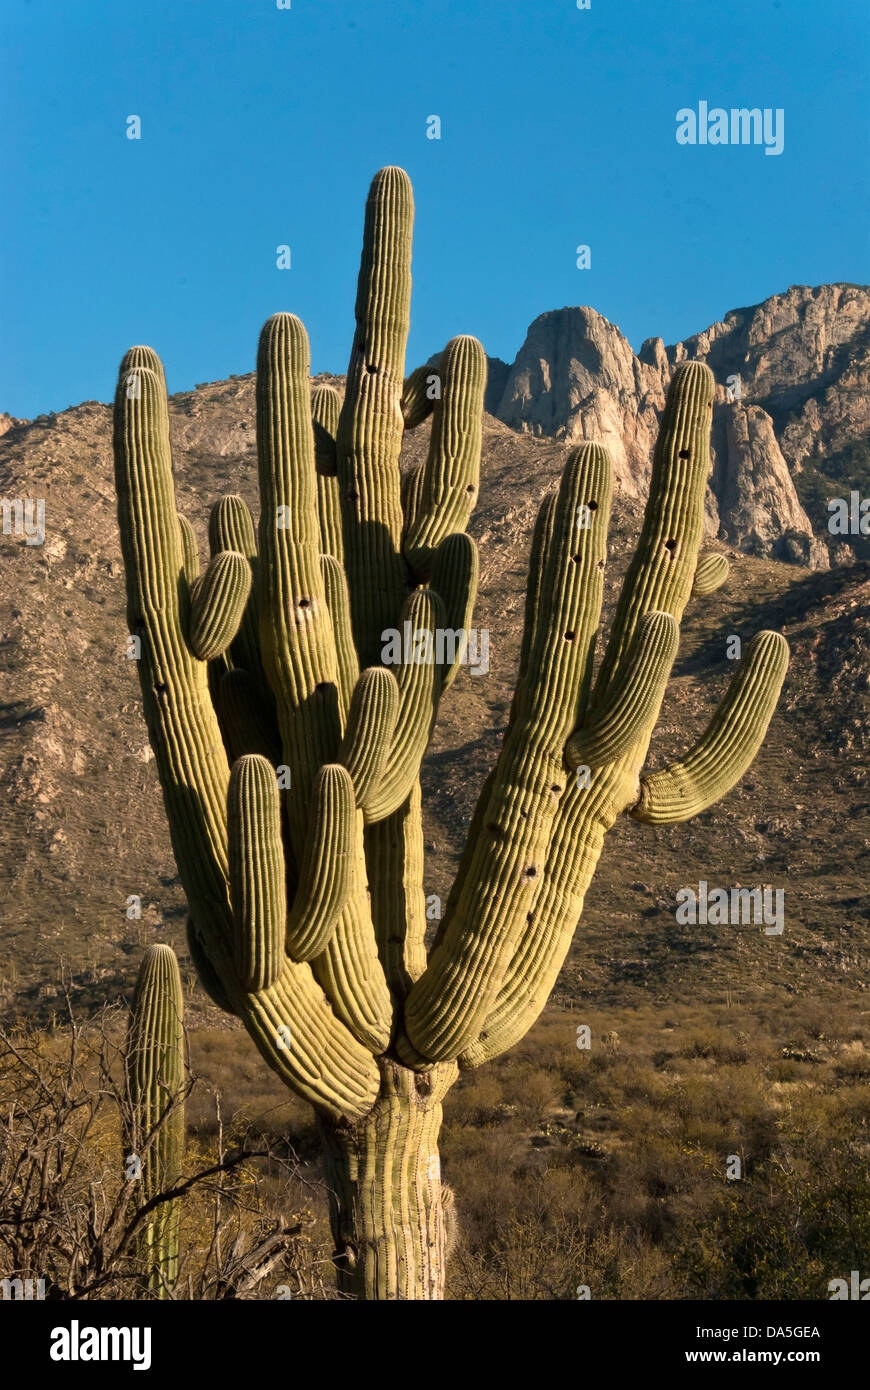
[[603, 1167]]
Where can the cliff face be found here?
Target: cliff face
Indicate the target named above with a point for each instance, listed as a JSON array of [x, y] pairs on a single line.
[[758, 503], [791, 424], [576, 378]]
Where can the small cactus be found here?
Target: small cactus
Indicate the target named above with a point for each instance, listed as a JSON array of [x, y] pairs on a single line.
[[155, 1075]]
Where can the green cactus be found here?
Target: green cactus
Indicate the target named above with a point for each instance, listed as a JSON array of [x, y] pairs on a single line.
[[155, 1074], [710, 573], [307, 904]]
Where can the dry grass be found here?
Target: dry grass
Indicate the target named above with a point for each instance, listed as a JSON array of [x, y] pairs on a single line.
[[602, 1169], [607, 1168]]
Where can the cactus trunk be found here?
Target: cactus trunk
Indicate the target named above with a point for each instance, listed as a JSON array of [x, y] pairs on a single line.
[[387, 1202]]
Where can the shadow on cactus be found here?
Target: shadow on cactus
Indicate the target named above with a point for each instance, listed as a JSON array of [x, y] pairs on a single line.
[[289, 753]]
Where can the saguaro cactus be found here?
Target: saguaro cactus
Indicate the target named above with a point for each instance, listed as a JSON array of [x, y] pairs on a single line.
[[154, 1141], [307, 903]]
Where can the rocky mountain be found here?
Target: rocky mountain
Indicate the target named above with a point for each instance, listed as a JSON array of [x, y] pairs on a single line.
[[791, 424]]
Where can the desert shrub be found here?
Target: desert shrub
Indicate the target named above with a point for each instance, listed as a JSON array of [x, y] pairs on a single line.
[[784, 1233], [631, 1185], [71, 1209], [533, 1089], [477, 1097], [715, 1044]]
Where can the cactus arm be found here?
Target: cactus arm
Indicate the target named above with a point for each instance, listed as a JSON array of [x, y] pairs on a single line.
[[338, 603], [231, 527], [587, 813], [452, 470], [729, 744], [419, 395], [565, 592], [217, 604], [154, 1061], [575, 848], [189, 550], [256, 872], [296, 634], [419, 683], [718, 761], [181, 722], [297, 637], [326, 872], [349, 969], [371, 426], [455, 575], [447, 1006], [326, 1065], [368, 736], [394, 845], [394, 856], [325, 407], [412, 494], [293, 1025], [542, 542], [658, 580], [710, 574], [633, 700], [663, 567]]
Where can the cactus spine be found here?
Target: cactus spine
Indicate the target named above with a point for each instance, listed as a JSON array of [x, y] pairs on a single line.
[[154, 1062], [307, 904]]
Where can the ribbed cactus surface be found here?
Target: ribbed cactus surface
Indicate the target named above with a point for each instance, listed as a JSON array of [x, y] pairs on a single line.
[[155, 1074], [289, 746]]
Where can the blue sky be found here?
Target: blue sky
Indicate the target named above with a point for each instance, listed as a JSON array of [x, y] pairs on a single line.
[[262, 127]]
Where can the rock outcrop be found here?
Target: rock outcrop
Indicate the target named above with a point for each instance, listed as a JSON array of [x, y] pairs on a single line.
[[800, 359], [576, 378], [8, 422], [758, 505]]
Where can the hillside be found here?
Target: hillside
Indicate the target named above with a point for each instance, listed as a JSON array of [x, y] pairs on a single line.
[[84, 829]]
